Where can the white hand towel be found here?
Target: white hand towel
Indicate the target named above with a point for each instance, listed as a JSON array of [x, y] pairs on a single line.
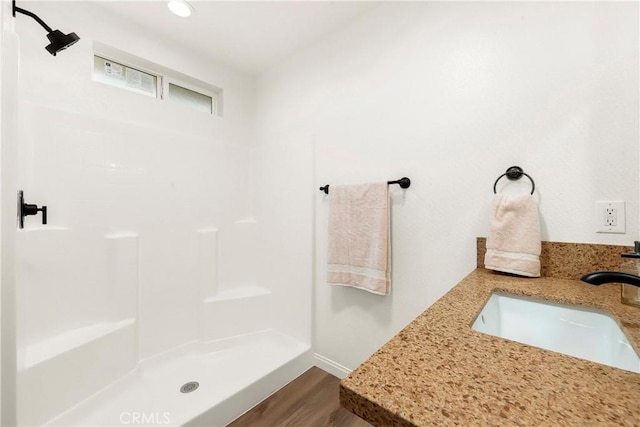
[[513, 244], [358, 243]]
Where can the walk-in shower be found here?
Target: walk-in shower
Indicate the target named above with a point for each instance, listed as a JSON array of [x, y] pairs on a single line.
[[158, 291]]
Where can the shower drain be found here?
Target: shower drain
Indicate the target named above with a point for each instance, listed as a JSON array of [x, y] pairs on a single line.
[[189, 387]]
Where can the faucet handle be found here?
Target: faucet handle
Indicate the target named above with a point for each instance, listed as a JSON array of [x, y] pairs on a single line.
[[26, 209], [635, 253]]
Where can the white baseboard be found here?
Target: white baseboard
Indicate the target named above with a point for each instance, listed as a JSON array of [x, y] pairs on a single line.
[[334, 368]]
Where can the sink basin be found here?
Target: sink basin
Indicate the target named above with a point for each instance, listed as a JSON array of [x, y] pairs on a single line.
[[577, 331]]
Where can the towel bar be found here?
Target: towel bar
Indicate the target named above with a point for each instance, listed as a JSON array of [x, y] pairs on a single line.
[[514, 173], [403, 182]]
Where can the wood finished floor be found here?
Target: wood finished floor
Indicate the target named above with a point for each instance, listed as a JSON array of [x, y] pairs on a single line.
[[311, 400]]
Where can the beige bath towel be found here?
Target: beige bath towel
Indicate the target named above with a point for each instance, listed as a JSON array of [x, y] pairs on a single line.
[[513, 244], [358, 246]]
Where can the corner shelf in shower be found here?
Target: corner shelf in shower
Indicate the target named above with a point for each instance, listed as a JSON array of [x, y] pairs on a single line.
[[244, 297], [240, 292]]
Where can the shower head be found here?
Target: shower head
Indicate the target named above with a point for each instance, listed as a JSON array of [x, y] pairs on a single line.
[[58, 40]]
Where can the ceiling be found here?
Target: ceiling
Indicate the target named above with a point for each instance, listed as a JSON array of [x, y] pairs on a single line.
[[250, 36]]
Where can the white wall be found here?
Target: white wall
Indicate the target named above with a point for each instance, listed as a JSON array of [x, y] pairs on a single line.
[[450, 95], [8, 153], [281, 177], [8, 145]]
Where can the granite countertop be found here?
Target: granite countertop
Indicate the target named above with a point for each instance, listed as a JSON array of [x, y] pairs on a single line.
[[438, 371]]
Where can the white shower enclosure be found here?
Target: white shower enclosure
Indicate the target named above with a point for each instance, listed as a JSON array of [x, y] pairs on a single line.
[[169, 258]]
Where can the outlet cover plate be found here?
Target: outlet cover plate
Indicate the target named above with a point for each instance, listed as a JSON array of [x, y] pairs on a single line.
[[610, 217]]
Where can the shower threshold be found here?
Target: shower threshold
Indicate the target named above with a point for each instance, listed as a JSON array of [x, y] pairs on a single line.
[[233, 375]]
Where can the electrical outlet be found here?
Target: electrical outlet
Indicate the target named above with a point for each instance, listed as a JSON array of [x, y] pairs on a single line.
[[610, 217]]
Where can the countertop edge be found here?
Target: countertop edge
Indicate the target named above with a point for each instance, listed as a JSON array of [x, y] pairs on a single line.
[[407, 380]]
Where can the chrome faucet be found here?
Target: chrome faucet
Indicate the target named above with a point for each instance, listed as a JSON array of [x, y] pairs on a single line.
[[602, 277]]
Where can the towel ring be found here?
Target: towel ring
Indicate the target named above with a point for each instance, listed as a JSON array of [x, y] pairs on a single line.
[[514, 173]]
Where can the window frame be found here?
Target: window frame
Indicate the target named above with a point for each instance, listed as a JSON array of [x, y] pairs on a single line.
[[211, 93], [164, 76], [159, 78]]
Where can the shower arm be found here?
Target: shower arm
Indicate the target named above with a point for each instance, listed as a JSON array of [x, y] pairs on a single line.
[[31, 14]]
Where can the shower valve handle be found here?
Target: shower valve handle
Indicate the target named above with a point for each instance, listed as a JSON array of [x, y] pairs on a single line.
[[34, 209], [26, 209]]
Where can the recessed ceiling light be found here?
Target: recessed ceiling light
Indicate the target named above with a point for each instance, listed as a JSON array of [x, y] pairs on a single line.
[[180, 8]]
